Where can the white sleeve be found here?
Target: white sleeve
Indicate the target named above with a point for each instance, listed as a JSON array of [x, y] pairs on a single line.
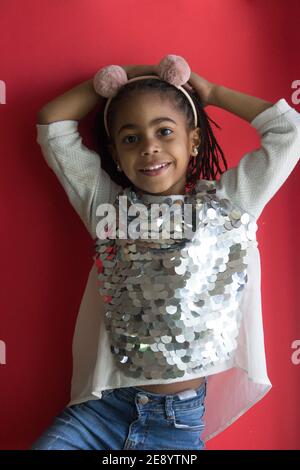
[[77, 168], [260, 173]]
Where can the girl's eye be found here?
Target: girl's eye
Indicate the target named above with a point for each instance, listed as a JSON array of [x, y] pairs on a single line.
[[162, 129]]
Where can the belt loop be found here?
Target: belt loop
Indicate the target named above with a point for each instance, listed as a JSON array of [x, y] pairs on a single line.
[[169, 406]]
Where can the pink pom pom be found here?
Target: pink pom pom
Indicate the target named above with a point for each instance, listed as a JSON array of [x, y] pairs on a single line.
[[108, 80], [174, 69]]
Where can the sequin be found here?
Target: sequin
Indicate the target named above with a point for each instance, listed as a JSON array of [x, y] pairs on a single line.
[[172, 304]]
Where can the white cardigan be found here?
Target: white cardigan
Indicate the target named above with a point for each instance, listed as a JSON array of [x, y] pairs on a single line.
[[236, 386]]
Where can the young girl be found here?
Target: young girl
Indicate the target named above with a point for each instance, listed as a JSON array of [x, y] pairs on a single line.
[[168, 347]]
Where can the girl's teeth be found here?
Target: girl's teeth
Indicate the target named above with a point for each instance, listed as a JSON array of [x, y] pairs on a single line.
[[155, 167]]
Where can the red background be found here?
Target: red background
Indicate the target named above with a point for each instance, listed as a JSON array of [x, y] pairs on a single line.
[[48, 47]]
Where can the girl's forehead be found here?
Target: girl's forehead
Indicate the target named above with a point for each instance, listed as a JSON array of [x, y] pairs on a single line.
[[144, 109]]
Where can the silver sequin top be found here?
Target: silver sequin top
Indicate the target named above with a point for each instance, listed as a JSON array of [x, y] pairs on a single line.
[[172, 305]]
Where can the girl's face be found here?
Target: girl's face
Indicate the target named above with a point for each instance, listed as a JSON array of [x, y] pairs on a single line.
[[140, 143]]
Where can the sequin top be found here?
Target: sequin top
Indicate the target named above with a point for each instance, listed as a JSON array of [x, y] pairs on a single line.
[[172, 304], [195, 309]]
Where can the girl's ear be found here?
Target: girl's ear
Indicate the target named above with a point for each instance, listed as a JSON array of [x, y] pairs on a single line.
[[196, 137]]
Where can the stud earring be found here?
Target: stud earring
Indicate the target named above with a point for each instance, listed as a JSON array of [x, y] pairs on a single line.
[[119, 168]]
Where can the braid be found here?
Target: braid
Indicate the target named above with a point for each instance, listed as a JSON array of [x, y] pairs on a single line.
[[206, 163]]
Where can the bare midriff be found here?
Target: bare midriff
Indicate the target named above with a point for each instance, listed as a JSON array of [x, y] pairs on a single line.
[[174, 387]]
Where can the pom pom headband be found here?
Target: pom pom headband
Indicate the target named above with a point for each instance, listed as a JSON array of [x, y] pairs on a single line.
[[171, 69]]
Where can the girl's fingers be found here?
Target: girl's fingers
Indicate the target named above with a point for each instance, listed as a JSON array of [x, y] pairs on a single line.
[[188, 87]]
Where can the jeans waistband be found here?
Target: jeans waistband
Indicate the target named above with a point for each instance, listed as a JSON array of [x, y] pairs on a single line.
[[131, 392]]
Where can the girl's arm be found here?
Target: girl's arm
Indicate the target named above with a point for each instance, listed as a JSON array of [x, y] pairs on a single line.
[[71, 105], [261, 172], [77, 102], [245, 106], [77, 167]]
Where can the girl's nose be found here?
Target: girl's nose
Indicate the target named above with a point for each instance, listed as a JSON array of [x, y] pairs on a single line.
[[149, 148]]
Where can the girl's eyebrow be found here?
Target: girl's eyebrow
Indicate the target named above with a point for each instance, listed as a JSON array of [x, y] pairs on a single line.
[[154, 121]]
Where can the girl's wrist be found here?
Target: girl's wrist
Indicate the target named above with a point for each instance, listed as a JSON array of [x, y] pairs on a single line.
[[212, 94]]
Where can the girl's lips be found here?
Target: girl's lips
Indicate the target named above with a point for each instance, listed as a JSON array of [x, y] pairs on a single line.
[[159, 171]]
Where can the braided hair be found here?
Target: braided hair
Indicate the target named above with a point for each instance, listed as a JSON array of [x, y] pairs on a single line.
[[205, 165]]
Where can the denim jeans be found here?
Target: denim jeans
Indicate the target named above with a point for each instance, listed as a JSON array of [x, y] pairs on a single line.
[[129, 418]]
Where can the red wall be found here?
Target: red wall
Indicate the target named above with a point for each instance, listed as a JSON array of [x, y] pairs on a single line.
[[48, 47]]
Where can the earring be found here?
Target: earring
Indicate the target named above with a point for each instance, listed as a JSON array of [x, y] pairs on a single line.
[[195, 149], [118, 167]]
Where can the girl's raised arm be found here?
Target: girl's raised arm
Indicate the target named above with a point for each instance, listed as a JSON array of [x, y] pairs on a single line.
[[261, 172], [74, 104], [77, 167], [245, 106]]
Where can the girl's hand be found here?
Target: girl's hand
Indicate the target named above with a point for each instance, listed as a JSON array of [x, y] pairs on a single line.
[[203, 87]]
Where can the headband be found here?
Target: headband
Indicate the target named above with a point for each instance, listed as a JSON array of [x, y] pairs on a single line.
[[171, 69]]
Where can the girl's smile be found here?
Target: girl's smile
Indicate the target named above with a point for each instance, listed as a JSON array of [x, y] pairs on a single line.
[[156, 169]]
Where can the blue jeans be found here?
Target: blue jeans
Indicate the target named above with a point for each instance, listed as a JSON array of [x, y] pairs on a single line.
[[129, 418]]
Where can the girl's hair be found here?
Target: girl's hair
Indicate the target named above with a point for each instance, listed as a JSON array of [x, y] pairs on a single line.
[[204, 165]]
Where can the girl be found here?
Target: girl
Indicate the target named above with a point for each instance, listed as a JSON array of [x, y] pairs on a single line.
[[171, 352]]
